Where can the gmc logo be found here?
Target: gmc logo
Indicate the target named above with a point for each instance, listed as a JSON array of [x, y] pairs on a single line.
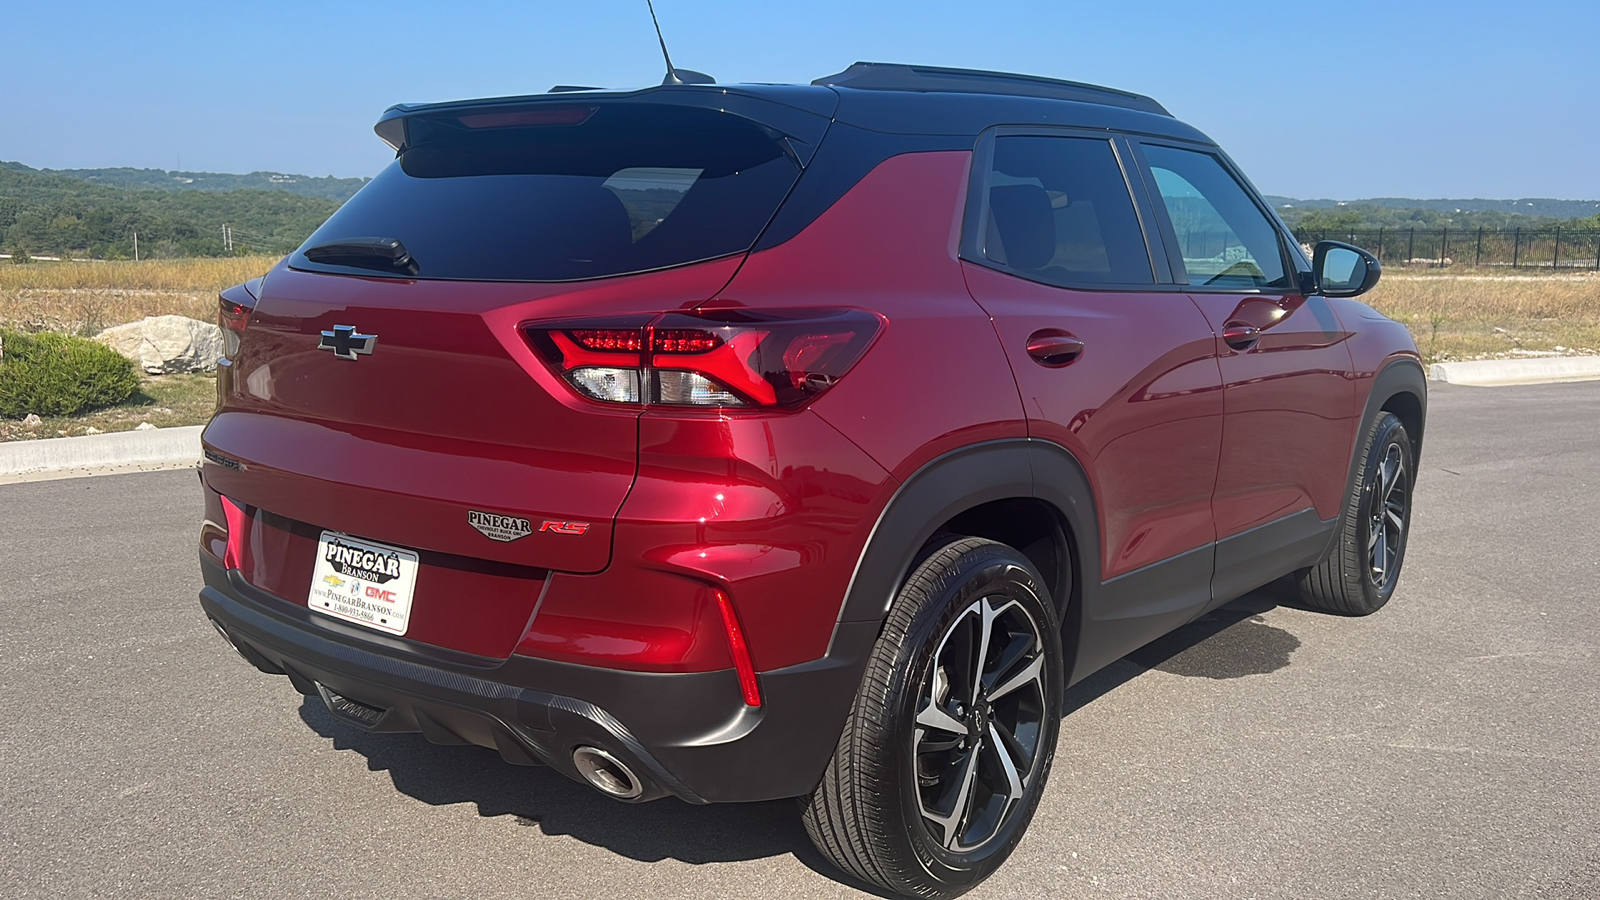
[[564, 527], [377, 593]]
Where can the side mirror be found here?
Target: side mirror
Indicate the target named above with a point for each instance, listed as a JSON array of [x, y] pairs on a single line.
[[1342, 270]]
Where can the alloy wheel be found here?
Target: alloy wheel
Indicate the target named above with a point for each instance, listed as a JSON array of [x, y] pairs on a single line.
[[979, 724], [1386, 516]]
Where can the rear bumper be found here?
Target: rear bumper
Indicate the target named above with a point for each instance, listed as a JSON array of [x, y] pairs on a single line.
[[687, 734]]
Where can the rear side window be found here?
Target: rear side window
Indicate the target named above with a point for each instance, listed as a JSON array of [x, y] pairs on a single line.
[[1060, 213], [564, 193], [1225, 239]]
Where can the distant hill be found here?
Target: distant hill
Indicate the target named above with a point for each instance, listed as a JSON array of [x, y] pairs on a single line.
[[1537, 207], [326, 188], [45, 213], [1401, 212]]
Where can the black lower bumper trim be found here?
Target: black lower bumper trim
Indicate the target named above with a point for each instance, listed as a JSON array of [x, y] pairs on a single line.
[[690, 734]]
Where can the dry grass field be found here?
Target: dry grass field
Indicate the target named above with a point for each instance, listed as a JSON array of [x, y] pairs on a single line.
[[1454, 314], [87, 297], [1487, 315]]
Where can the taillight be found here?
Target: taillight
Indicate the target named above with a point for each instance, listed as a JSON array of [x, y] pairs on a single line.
[[725, 358], [233, 314]]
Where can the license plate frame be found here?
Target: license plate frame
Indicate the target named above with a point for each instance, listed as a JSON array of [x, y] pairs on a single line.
[[364, 582]]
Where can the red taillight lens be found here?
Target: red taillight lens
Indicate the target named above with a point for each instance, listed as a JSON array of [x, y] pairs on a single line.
[[608, 340], [233, 316], [682, 340], [727, 358], [234, 307]]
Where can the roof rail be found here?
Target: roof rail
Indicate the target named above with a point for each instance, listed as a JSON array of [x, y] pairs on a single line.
[[934, 79]]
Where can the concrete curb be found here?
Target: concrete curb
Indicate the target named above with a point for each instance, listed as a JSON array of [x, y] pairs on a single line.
[[178, 448], [99, 454], [1496, 372]]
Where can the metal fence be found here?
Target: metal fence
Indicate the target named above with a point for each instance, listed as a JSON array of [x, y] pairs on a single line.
[[1517, 248]]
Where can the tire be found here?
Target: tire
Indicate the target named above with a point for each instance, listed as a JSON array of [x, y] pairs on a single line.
[[1359, 576], [912, 801]]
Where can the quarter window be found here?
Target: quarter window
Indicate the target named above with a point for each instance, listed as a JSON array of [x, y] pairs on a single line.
[[1224, 238], [1060, 213]]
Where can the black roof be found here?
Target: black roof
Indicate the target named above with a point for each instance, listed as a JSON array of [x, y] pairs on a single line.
[[935, 79], [883, 97]]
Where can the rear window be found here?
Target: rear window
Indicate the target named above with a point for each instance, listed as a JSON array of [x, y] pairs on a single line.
[[562, 193]]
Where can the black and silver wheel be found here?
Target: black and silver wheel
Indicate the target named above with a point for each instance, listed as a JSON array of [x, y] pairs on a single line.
[[948, 746], [1359, 576]]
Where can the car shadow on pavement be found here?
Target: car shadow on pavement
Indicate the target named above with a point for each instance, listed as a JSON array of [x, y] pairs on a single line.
[[1229, 642], [539, 798]]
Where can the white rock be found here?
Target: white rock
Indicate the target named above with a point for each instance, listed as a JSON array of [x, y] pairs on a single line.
[[91, 430], [164, 345], [144, 426], [31, 421]]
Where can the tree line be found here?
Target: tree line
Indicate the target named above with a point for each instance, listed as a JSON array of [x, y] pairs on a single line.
[[95, 213], [46, 214], [1370, 217], [327, 188]]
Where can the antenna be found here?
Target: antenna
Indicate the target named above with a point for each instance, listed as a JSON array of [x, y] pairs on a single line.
[[675, 75]]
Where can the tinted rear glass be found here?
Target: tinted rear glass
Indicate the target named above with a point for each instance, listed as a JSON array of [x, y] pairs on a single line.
[[587, 192], [1060, 213]]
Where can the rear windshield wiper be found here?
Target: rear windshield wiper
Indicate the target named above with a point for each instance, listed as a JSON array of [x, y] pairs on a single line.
[[381, 253]]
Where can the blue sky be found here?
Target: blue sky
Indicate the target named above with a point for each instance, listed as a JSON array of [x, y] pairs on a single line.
[[1414, 98]]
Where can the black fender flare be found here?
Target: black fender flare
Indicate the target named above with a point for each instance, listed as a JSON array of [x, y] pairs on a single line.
[[1400, 375], [1018, 468]]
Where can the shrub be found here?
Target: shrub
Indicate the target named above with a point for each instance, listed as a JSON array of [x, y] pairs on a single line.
[[59, 375]]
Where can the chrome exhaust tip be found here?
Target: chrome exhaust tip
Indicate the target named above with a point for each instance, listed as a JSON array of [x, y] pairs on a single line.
[[224, 632], [607, 774]]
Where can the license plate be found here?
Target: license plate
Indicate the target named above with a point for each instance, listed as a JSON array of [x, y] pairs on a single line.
[[363, 582]]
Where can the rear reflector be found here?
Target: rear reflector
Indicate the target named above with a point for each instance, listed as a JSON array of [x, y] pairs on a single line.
[[723, 358], [741, 653], [233, 556]]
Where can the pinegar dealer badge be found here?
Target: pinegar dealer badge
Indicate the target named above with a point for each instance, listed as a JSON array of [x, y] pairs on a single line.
[[496, 527]]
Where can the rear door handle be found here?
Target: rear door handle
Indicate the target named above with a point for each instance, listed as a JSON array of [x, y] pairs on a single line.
[[1240, 336], [1054, 348]]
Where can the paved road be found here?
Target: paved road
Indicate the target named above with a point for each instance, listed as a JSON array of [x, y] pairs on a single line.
[[1446, 747]]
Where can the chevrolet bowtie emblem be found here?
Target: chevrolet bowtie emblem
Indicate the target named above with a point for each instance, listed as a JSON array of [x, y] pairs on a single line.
[[346, 343]]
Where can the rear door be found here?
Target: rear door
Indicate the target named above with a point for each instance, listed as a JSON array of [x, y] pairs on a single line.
[[1285, 365], [1112, 365]]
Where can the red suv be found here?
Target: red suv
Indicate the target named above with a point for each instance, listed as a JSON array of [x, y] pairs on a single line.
[[761, 441]]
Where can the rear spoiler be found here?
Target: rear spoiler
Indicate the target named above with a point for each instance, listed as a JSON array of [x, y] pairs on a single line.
[[800, 113]]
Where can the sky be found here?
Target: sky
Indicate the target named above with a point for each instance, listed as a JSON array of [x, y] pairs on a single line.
[[1345, 100]]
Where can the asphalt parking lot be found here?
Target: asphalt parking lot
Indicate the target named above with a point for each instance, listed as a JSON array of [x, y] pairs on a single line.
[[1447, 747]]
